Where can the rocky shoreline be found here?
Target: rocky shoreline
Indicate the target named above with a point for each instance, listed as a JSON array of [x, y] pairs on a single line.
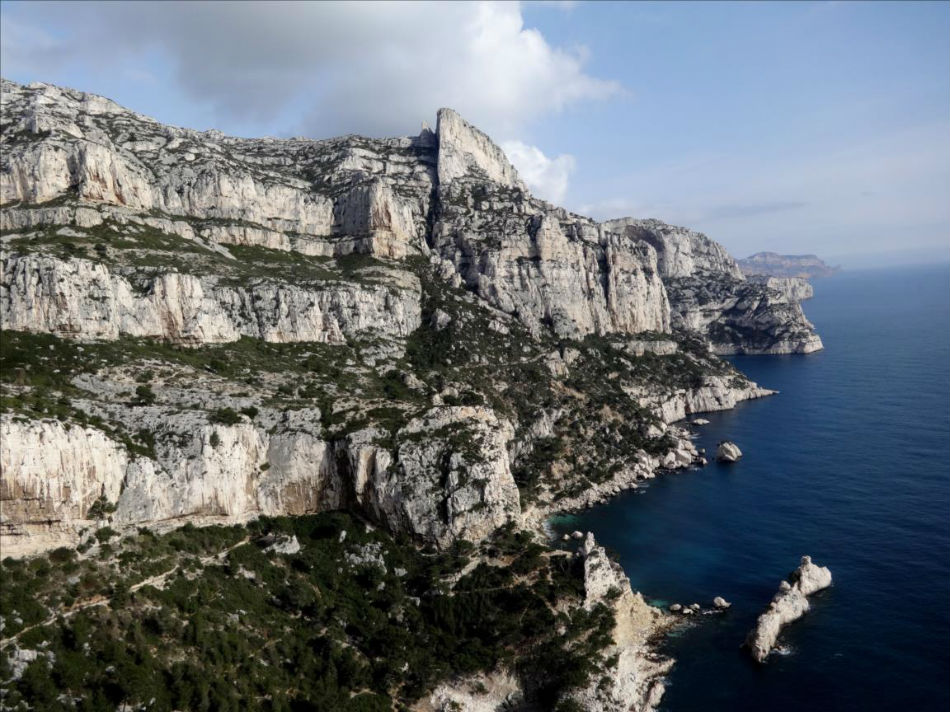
[[651, 664]]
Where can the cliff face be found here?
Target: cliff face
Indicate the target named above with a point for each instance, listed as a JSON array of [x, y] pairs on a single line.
[[54, 474], [85, 300], [709, 296]]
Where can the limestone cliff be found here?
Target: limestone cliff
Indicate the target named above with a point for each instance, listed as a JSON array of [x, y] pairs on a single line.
[[709, 296], [54, 475], [84, 299]]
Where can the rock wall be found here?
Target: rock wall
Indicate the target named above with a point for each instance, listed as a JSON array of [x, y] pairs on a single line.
[[63, 142], [548, 267], [709, 296], [82, 299], [53, 474]]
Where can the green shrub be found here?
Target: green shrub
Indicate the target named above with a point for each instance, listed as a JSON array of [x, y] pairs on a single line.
[[144, 395], [224, 416]]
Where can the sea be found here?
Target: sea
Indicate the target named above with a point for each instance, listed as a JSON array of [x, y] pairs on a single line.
[[849, 463]]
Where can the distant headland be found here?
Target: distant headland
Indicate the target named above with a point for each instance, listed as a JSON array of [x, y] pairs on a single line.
[[776, 265]]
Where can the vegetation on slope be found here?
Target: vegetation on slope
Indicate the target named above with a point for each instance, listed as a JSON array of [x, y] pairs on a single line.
[[215, 619]]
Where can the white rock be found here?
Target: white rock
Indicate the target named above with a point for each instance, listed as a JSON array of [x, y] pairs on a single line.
[[83, 299], [788, 605], [285, 545], [728, 452], [635, 680]]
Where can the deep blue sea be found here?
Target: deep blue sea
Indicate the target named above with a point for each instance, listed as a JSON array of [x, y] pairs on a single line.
[[849, 463]]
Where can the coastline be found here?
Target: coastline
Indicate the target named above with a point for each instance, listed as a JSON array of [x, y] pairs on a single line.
[[640, 626]]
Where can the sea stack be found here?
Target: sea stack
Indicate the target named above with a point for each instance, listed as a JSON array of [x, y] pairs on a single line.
[[788, 605]]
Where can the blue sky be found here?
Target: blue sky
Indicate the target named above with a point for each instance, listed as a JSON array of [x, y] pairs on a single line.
[[793, 127]]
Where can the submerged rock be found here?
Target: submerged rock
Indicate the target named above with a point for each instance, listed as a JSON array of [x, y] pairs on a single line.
[[788, 605], [728, 452]]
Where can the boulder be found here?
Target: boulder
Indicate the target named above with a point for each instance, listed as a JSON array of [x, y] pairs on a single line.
[[728, 452], [700, 421], [721, 603]]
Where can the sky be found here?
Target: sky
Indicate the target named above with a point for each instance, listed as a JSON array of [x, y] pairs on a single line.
[[793, 127]]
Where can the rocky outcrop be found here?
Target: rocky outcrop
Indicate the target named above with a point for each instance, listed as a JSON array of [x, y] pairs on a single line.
[[680, 252], [773, 264], [795, 289], [84, 299], [728, 452], [550, 268], [499, 690], [713, 394], [454, 461], [788, 605], [709, 296], [464, 150], [54, 474], [635, 681]]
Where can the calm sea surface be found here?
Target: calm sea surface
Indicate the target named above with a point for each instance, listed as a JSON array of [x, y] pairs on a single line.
[[849, 463]]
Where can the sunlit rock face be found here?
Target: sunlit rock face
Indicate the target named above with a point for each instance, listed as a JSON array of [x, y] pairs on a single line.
[[709, 296]]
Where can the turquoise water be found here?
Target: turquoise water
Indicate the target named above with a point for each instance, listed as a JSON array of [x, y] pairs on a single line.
[[849, 463]]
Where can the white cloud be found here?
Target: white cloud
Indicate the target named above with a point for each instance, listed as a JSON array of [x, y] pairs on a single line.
[[546, 177], [376, 68]]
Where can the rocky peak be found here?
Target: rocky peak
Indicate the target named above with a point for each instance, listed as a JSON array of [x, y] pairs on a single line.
[[465, 151]]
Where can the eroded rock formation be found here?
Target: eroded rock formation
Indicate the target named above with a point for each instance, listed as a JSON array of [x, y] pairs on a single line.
[[788, 605]]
